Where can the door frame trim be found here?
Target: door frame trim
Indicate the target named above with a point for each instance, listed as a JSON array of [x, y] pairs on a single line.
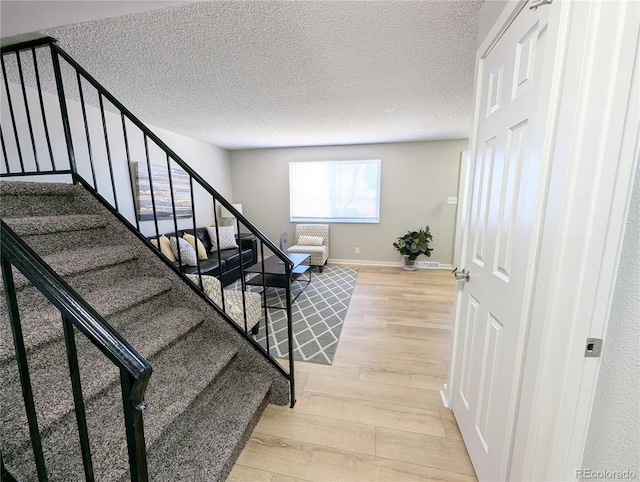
[[594, 156]]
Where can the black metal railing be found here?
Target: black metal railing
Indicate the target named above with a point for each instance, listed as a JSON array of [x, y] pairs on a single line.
[[75, 312], [59, 123]]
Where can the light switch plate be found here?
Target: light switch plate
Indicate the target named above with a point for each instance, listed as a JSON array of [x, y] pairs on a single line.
[[452, 200]]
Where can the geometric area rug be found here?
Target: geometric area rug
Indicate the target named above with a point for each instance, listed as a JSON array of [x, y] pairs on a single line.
[[318, 315]]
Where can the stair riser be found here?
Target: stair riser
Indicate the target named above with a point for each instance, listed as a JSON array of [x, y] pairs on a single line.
[[40, 199], [46, 244], [13, 206], [279, 391], [29, 297], [31, 188], [105, 232]]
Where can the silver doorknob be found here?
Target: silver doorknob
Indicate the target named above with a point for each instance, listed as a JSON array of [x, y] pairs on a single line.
[[464, 274]]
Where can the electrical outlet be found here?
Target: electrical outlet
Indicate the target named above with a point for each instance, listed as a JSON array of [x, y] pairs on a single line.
[[357, 250], [452, 200]]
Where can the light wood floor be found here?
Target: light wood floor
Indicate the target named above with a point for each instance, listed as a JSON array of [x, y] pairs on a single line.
[[376, 413]]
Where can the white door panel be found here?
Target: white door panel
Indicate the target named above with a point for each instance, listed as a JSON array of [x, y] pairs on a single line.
[[553, 146], [501, 246]]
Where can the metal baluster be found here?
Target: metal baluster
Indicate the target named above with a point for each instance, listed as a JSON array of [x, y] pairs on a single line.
[[215, 222], [193, 217], [264, 296], [242, 285], [4, 152], [175, 219], [23, 368], [11, 112], [220, 267], [153, 199], [86, 131], [42, 109], [195, 238], [63, 111], [27, 111], [287, 270], [133, 192], [134, 428], [78, 401], [106, 144]]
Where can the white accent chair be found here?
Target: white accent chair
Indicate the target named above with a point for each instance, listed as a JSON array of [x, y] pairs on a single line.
[[312, 239]]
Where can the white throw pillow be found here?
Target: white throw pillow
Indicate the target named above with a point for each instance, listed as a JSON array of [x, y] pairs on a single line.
[[310, 240], [227, 237], [187, 253]]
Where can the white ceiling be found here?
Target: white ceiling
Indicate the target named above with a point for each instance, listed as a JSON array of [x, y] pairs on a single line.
[[249, 74]]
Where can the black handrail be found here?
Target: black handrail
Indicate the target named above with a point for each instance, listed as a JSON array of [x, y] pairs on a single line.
[[135, 369], [27, 44]]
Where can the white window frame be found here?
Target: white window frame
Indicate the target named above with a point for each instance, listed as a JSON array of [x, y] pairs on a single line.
[[331, 200]]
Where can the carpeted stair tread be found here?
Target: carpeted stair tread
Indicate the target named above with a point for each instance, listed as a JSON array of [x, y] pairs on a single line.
[[86, 259], [22, 188], [49, 369], [38, 199], [44, 325], [38, 225], [204, 442], [180, 373]]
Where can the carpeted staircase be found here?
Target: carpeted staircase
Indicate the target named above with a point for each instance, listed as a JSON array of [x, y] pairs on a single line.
[[208, 386]]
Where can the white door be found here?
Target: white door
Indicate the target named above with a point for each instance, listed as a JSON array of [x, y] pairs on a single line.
[[500, 242]]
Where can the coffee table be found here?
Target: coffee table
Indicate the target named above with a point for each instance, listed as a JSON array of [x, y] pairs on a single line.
[[274, 272]]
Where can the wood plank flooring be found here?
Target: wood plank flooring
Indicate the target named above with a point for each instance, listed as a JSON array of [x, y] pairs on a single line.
[[375, 414]]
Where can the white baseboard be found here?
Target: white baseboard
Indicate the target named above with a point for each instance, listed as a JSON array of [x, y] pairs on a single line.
[[363, 262], [443, 397], [389, 264]]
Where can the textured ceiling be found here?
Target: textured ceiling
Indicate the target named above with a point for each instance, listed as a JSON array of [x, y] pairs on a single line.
[[248, 74]]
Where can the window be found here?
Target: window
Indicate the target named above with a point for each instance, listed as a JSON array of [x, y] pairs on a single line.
[[335, 191]]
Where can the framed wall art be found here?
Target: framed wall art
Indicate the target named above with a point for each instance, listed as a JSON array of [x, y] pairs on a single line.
[[162, 195]]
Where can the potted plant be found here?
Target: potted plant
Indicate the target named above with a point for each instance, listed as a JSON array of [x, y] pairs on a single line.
[[412, 245]]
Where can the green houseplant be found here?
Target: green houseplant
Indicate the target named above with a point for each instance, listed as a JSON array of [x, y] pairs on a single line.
[[412, 245]]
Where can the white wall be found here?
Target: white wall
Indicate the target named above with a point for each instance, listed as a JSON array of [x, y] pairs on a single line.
[[613, 441], [416, 179], [211, 162], [19, 17]]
